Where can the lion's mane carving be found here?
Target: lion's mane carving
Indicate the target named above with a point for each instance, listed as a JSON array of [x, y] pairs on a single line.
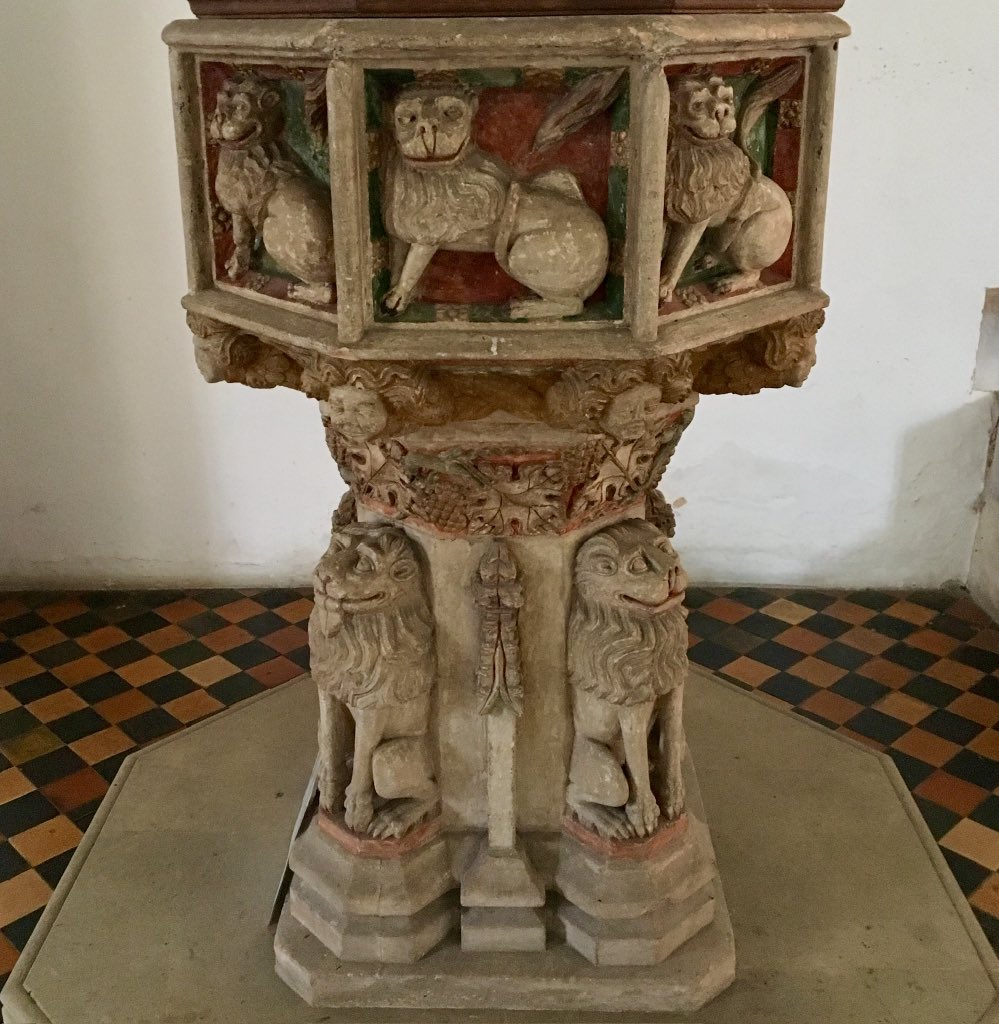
[[618, 651], [372, 634]]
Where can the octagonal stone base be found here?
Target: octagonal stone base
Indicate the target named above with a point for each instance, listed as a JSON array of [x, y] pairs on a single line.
[[841, 905]]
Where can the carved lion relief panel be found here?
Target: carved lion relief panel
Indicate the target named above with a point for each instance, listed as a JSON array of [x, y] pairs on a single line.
[[498, 194], [732, 172], [267, 163]]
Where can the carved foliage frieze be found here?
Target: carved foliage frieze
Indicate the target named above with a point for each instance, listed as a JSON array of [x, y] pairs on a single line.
[[268, 180], [490, 452]]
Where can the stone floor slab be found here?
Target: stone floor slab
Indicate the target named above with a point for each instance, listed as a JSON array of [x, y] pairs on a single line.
[[841, 907]]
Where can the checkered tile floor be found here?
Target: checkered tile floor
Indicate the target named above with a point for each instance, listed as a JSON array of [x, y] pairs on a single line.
[[86, 678]]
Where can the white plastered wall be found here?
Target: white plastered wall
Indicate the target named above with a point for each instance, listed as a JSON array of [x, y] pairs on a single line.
[[118, 464]]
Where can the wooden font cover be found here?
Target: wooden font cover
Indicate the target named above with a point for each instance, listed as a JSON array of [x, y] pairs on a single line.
[[481, 8]]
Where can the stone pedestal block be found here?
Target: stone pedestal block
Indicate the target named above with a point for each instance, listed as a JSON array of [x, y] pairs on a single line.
[[389, 902]]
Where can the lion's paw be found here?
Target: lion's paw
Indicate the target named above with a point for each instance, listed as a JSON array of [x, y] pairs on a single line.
[[396, 301], [358, 811], [674, 801], [395, 820], [608, 822], [643, 813]]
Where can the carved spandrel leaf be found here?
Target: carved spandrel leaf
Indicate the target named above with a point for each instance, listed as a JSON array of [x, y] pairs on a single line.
[[589, 97], [499, 595]]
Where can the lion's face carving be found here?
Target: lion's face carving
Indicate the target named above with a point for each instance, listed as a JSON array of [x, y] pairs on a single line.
[[631, 567], [371, 631], [705, 107], [433, 125], [627, 631], [367, 569], [247, 110]]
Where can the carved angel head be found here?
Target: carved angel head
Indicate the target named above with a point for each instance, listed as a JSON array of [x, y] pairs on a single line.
[[357, 414], [705, 106], [247, 109], [433, 123], [635, 413], [631, 567]]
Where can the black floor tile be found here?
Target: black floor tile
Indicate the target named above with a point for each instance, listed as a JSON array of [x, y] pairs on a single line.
[[15, 722], [124, 654], [876, 600], [968, 875], [187, 654], [859, 688], [59, 654], [817, 600], [986, 813], [57, 764], [11, 862], [25, 812], [84, 722], [236, 688], [168, 688], [101, 688], [951, 727], [973, 768], [711, 655], [931, 691], [844, 656], [52, 870], [21, 624], [140, 625], [827, 626], [777, 655], [27, 690], [20, 931], [250, 654], [789, 688], [912, 770], [150, 725], [888, 625], [938, 819], [205, 623], [976, 657], [910, 657], [762, 626], [877, 726]]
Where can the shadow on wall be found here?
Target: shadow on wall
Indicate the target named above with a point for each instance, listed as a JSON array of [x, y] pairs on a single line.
[[87, 360], [919, 544]]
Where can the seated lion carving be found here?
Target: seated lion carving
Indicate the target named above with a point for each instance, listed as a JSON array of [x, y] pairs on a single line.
[[266, 189], [627, 666], [372, 641], [716, 191], [443, 192]]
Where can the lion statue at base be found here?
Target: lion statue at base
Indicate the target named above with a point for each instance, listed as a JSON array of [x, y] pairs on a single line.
[[444, 193], [372, 640], [265, 187], [627, 666], [716, 191]]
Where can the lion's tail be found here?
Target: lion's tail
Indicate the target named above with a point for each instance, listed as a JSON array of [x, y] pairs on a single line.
[[760, 95]]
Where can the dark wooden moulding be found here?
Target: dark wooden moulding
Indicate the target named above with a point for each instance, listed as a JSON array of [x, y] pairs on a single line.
[[483, 8]]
